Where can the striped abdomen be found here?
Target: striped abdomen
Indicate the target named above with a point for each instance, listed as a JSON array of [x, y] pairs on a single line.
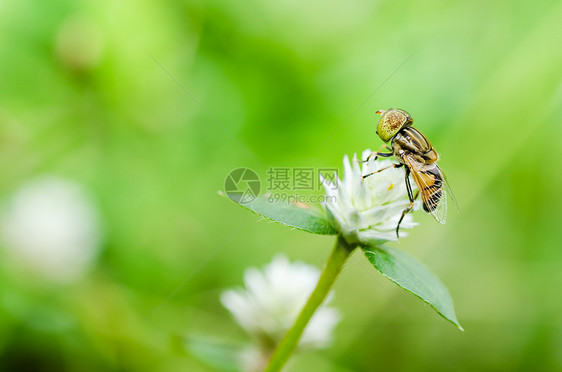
[[430, 181]]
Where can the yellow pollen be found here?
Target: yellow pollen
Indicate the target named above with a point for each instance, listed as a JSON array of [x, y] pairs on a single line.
[[390, 187]]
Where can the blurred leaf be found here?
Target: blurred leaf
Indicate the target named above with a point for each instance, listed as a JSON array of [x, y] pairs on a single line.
[[216, 355], [307, 219], [410, 274]]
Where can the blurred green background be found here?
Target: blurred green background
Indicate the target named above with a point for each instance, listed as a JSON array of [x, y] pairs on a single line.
[[89, 91]]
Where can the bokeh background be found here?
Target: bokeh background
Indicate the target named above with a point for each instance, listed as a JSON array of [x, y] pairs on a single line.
[[147, 106]]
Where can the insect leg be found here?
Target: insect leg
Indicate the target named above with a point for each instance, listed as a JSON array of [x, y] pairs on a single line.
[[382, 169], [410, 196], [378, 153]]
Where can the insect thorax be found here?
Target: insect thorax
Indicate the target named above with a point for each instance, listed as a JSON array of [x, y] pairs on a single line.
[[411, 141]]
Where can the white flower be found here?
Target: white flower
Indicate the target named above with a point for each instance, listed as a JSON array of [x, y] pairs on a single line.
[[273, 299], [50, 228], [368, 209]]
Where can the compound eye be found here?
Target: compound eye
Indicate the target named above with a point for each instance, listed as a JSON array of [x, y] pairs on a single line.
[[395, 120], [391, 122]]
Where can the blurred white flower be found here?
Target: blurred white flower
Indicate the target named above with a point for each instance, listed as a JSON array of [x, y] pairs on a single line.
[[273, 299], [368, 209], [50, 228]]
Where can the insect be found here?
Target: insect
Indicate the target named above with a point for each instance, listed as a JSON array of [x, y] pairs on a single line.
[[416, 154]]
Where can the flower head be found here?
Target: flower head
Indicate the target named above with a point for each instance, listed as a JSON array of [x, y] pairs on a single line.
[[368, 209], [272, 300], [51, 229]]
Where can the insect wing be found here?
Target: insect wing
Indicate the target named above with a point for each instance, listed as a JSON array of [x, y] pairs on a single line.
[[430, 180], [449, 191]]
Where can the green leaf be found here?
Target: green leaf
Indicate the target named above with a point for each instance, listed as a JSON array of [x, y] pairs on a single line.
[[308, 219], [410, 274]]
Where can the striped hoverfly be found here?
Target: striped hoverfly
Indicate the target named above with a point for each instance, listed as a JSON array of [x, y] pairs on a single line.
[[416, 154]]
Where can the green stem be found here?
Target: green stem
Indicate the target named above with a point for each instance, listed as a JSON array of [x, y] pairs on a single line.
[[288, 344]]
